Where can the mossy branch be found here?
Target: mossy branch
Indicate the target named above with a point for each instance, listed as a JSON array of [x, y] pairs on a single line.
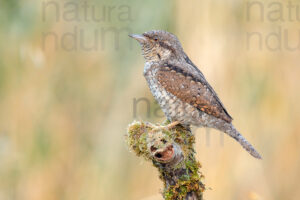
[[172, 153]]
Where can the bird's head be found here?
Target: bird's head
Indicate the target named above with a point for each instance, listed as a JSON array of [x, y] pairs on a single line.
[[159, 45]]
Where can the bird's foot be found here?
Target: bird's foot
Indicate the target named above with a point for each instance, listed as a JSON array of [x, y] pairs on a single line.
[[167, 127], [172, 125]]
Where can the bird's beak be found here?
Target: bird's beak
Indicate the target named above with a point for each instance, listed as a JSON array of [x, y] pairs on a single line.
[[139, 38]]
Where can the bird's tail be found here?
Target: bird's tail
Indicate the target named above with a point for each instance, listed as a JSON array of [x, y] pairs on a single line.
[[232, 132]]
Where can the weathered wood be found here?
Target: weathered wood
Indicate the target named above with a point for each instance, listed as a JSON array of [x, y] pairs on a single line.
[[172, 153]]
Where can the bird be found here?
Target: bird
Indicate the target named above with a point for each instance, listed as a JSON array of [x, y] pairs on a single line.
[[180, 88]]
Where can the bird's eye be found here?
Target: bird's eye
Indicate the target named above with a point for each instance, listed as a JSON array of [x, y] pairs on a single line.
[[155, 39]]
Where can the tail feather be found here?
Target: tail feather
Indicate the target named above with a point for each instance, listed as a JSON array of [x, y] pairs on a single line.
[[232, 132]]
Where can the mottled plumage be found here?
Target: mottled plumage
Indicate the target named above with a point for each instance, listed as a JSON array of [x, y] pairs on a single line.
[[181, 89]]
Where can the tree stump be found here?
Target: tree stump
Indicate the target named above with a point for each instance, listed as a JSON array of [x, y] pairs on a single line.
[[172, 153]]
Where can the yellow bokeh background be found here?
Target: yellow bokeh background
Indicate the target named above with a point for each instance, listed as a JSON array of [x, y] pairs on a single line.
[[64, 109]]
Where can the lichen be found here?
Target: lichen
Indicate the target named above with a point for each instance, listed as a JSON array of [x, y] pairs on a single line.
[[180, 180], [137, 138], [191, 181]]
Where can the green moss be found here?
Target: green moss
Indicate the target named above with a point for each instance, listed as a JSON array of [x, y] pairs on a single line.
[[137, 138], [191, 181], [142, 136]]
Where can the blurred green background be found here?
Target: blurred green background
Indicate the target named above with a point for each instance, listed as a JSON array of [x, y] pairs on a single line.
[[64, 107]]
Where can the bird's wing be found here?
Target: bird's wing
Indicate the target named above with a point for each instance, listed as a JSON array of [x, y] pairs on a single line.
[[192, 88]]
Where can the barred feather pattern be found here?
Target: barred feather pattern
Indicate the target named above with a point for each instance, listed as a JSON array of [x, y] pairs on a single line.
[[186, 114]]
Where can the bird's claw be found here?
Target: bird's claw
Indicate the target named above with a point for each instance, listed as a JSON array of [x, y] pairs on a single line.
[[167, 127]]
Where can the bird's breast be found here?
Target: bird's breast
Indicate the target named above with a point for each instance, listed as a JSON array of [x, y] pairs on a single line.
[[172, 106]]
